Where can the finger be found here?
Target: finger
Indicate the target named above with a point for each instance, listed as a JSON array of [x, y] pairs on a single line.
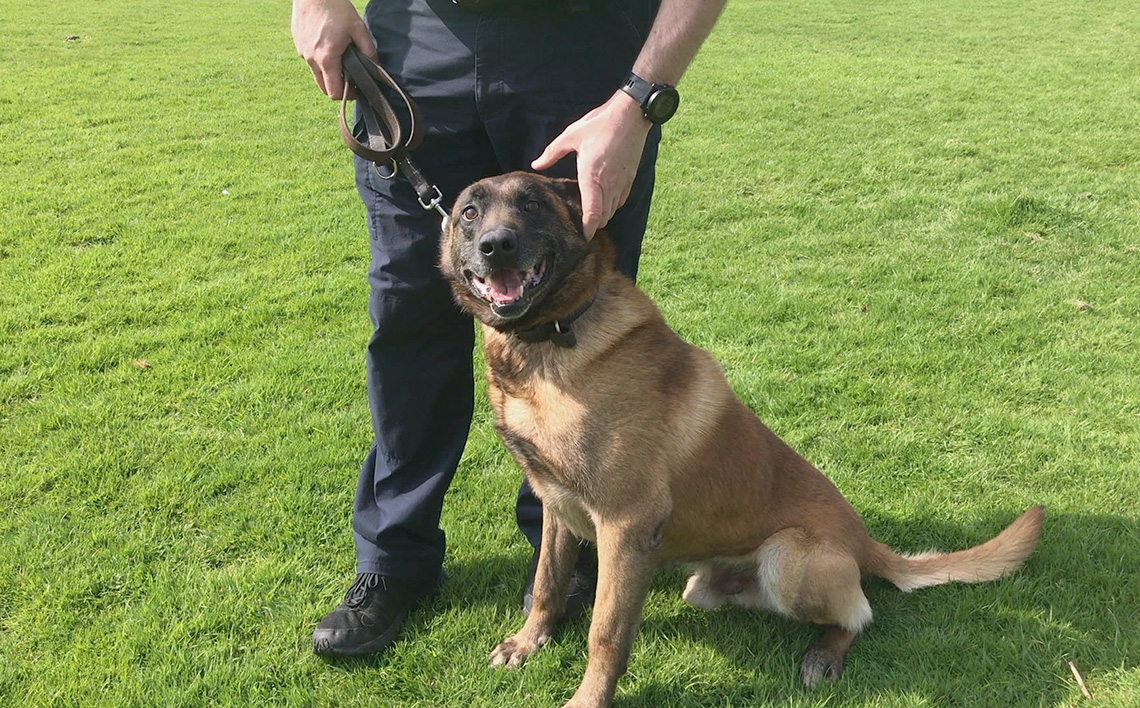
[[612, 202], [318, 76], [558, 148], [614, 207], [589, 227], [362, 38], [331, 81], [334, 83], [609, 213], [592, 200]]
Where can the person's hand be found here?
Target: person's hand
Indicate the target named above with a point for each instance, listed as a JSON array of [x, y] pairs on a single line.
[[322, 30], [608, 141]]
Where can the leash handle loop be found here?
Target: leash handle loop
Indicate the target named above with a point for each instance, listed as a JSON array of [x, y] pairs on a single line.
[[388, 142], [387, 137]]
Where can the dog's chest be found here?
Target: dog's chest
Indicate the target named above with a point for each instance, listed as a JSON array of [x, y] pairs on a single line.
[[544, 425], [546, 429]]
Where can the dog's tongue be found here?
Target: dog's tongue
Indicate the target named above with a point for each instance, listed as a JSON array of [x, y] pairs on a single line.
[[506, 285]]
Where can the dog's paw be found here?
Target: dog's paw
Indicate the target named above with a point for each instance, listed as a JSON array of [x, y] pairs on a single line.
[[513, 651], [820, 663], [700, 594]]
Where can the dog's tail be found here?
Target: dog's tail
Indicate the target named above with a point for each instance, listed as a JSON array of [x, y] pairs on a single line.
[[999, 556]]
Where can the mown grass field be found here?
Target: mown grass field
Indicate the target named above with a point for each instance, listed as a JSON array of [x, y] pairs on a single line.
[[909, 231]]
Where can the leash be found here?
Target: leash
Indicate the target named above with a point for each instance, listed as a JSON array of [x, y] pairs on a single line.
[[389, 143]]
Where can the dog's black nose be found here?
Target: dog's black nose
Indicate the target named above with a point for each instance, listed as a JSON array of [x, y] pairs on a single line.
[[499, 247]]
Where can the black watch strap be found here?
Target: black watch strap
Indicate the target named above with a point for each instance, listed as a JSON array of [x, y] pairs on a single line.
[[658, 101], [638, 89]]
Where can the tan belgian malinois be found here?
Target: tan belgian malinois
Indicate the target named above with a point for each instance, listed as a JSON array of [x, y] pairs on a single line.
[[632, 439]]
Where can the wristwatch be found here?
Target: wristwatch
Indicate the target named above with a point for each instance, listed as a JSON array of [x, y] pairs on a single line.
[[658, 101]]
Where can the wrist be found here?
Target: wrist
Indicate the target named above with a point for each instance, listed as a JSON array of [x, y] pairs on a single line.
[[629, 110]]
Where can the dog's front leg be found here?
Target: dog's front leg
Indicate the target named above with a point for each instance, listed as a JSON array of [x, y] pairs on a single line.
[[556, 558], [626, 559]]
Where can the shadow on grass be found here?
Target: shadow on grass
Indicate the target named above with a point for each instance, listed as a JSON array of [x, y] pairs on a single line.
[[1001, 643]]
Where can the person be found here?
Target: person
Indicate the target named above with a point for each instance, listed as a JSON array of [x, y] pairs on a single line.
[[566, 87]]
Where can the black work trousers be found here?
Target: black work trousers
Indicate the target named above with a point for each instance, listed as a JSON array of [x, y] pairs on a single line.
[[494, 91]]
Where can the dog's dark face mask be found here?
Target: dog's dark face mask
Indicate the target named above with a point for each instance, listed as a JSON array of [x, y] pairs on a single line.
[[512, 247]]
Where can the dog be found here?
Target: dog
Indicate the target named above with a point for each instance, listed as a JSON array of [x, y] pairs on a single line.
[[633, 440]]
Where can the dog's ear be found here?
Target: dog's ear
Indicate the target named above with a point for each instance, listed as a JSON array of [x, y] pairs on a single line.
[[567, 190]]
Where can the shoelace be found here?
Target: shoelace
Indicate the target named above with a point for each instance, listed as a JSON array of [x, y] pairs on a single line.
[[360, 587]]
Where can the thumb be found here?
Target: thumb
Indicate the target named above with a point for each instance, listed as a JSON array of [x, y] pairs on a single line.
[[555, 151], [362, 38]]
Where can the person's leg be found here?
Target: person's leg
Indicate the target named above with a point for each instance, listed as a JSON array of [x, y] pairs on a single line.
[[419, 357], [420, 390], [419, 377]]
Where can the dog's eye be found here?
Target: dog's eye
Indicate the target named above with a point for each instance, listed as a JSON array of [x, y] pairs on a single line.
[[470, 212], [531, 206]]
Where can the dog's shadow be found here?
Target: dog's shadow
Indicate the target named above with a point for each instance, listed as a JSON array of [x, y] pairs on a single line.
[[1002, 643], [1005, 643]]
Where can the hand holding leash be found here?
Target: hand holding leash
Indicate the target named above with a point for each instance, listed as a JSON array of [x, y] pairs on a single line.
[[387, 141], [322, 31]]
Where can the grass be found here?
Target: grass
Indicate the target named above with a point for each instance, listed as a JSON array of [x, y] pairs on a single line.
[[910, 232]]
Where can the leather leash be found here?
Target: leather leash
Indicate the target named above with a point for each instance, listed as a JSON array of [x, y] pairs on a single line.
[[388, 141]]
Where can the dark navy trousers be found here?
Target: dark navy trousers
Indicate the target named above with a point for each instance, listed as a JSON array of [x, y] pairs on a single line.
[[494, 91]]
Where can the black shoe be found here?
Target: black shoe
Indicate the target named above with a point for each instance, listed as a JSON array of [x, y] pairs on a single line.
[[580, 595], [371, 615]]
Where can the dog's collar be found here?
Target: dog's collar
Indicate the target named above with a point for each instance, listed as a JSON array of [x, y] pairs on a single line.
[[561, 332]]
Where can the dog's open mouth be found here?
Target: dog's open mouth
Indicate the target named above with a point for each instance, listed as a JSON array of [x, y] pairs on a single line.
[[507, 285]]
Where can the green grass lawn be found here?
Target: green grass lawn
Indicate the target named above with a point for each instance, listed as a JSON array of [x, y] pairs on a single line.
[[909, 231]]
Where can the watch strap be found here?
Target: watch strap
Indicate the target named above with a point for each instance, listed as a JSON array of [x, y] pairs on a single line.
[[638, 89]]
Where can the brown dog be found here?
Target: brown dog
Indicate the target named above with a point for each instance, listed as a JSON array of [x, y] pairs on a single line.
[[632, 439]]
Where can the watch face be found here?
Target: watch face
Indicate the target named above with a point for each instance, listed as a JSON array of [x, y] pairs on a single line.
[[662, 105]]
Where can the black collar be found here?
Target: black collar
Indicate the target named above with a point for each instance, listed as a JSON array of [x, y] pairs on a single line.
[[561, 332]]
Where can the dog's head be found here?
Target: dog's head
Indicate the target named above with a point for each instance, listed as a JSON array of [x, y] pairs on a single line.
[[515, 253]]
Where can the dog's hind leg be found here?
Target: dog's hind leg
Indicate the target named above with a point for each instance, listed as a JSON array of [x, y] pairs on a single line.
[[700, 590], [815, 582]]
